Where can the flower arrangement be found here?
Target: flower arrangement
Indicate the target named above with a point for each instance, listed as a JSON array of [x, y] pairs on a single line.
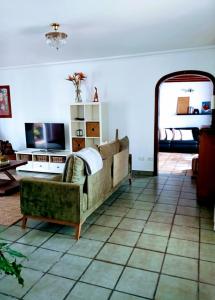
[[76, 79]]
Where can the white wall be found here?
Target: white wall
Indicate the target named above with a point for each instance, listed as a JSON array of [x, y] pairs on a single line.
[[169, 93], [41, 93]]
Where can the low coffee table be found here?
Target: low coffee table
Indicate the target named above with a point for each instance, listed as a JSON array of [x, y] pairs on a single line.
[[10, 185]]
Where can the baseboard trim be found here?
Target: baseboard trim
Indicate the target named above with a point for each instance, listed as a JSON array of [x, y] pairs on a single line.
[[137, 173]]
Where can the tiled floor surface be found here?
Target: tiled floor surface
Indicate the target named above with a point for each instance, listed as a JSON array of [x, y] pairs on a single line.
[[150, 240]]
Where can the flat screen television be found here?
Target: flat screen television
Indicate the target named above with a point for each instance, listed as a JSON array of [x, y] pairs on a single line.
[[47, 136]]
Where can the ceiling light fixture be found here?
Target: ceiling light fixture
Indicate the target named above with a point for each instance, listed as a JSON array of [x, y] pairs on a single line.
[[188, 90], [55, 38]]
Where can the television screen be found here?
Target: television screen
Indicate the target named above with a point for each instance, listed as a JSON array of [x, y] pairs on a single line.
[[45, 136]]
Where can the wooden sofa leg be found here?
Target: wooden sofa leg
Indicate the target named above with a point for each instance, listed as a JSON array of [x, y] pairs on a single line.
[[24, 221], [78, 231]]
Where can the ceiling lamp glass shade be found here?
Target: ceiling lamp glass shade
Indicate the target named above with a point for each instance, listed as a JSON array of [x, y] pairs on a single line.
[[55, 38]]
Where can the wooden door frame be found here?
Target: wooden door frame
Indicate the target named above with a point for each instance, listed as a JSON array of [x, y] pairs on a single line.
[[156, 116]]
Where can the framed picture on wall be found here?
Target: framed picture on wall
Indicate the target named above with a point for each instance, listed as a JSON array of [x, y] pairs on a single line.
[[206, 107], [5, 105], [182, 105]]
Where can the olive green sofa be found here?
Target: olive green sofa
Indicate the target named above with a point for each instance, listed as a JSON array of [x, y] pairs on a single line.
[[69, 199]]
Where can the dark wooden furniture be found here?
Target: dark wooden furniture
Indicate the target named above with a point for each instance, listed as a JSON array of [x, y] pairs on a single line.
[[10, 185], [206, 171]]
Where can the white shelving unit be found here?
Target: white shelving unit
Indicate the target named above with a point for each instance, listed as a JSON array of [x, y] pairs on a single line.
[[46, 162], [88, 124]]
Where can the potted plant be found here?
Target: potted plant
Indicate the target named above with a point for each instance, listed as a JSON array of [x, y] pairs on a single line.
[[8, 265]]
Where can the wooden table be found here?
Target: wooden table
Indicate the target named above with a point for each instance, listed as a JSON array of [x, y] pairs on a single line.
[[10, 185]]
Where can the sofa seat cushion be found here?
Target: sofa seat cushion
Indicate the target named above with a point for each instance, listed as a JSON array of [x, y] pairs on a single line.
[[74, 170], [164, 146], [107, 150], [184, 146], [185, 142]]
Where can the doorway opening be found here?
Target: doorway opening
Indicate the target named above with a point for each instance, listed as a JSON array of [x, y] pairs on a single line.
[[184, 109]]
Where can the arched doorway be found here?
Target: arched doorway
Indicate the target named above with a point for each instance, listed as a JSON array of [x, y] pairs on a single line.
[[179, 74]]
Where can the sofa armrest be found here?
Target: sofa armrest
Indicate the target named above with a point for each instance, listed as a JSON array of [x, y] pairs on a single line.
[[58, 200]]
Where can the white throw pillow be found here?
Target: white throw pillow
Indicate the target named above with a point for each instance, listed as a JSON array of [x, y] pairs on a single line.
[[169, 134], [162, 133], [177, 135], [187, 135]]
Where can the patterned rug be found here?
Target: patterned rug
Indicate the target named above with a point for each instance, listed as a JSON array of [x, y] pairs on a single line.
[[10, 209]]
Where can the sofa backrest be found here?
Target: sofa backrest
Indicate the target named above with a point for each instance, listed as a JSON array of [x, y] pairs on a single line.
[[123, 143], [194, 130], [109, 149]]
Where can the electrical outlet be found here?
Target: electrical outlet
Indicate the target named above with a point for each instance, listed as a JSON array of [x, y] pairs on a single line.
[[141, 158]]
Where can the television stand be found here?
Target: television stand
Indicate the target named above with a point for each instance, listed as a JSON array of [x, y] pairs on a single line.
[[43, 161]]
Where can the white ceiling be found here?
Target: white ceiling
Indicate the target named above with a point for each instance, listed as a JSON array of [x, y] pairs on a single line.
[[102, 28]]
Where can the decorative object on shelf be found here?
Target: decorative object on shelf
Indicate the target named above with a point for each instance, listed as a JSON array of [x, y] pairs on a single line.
[[190, 110], [76, 79], [182, 105], [206, 107], [5, 106], [79, 132], [96, 96], [196, 111], [55, 38], [79, 119]]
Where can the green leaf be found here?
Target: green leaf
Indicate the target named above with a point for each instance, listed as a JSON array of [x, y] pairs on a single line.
[[2, 245], [14, 253], [10, 268]]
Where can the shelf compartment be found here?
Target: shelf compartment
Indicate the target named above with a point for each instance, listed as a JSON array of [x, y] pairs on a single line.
[[92, 112], [92, 129], [58, 159], [43, 158], [76, 126], [91, 142], [77, 111], [78, 144], [27, 157]]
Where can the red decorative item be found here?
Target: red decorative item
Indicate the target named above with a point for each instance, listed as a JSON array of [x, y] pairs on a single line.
[[5, 105]]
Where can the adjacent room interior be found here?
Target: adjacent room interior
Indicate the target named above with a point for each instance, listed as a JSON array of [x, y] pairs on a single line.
[[183, 111]]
